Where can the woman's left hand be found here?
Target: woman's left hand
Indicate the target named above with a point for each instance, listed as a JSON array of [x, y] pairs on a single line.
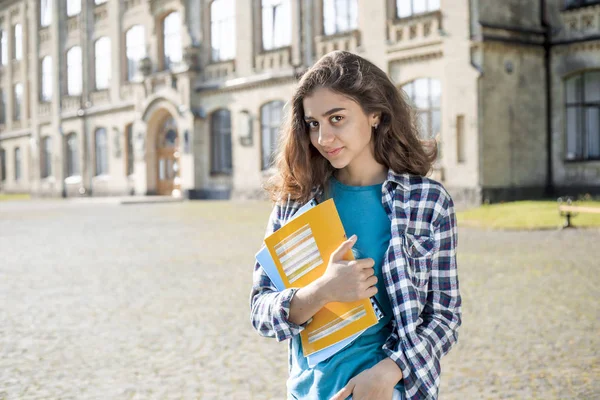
[[376, 383]]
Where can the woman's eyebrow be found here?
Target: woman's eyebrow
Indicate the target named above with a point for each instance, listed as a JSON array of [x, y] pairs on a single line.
[[333, 110]]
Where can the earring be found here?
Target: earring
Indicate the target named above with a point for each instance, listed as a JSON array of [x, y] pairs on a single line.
[[376, 126]]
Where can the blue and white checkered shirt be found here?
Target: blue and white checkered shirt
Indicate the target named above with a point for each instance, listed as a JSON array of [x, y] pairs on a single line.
[[420, 274]]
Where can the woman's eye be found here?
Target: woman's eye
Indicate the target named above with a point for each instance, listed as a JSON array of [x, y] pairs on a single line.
[[313, 125], [336, 118]]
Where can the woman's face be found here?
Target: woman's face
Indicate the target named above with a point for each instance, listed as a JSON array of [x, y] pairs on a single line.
[[339, 128]]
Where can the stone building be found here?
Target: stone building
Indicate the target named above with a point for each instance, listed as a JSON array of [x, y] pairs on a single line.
[[185, 97]]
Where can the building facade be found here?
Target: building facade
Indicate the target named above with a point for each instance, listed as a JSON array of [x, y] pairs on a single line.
[[186, 97]]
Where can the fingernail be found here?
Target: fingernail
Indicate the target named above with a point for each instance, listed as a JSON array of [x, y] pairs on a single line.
[[353, 238]]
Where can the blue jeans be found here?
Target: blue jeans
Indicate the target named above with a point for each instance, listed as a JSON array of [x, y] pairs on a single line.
[[398, 395]]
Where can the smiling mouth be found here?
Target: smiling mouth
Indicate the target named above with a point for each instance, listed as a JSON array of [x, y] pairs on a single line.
[[334, 152]]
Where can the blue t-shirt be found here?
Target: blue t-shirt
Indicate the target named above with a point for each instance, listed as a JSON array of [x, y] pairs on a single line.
[[362, 213]]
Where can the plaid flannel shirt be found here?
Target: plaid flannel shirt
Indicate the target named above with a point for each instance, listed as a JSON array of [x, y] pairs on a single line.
[[420, 275]]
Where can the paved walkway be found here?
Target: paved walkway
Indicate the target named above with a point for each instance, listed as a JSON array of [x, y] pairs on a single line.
[[150, 301]]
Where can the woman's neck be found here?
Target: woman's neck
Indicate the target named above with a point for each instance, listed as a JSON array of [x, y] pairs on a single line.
[[363, 175]]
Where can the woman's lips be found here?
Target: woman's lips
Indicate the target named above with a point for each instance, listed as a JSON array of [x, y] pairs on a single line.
[[334, 152]]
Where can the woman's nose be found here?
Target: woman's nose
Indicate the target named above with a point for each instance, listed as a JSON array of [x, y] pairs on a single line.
[[325, 137]]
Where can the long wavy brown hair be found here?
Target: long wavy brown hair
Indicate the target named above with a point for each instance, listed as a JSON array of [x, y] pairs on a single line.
[[300, 166]]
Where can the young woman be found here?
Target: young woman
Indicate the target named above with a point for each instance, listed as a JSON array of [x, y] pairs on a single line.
[[350, 135]]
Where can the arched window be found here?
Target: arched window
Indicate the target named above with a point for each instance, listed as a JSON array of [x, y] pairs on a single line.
[[407, 8], [101, 151], [583, 116], [425, 94], [74, 77], [172, 39], [102, 63], [270, 124], [276, 24], [72, 155], [46, 94], [135, 41], [221, 159], [339, 16], [222, 30]]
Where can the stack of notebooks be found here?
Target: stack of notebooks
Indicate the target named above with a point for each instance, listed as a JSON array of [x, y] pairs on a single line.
[[296, 255]]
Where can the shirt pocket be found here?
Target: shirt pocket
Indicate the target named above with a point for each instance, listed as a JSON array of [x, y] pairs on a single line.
[[419, 251]]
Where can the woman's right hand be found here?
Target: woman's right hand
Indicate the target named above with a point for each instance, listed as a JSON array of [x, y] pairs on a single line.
[[346, 281]]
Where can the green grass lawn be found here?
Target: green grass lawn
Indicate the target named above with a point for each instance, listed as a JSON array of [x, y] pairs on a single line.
[[17, 196], [526, 215]]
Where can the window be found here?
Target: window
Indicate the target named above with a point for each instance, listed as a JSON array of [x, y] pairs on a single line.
[[102, 63], [73, 7], [72, 155], [101, 152], [45, 13], [2, 107], [339, 16], [220, 123], [407, 8], [425, 94], [18, 101], [276, 24], [3, 47], [2, 165], [47, 80], [74, 71], [17, 164], [18, 42], [172, 39], [579, 3], [270, 123], [222, 30], [135, 40], [46, 157], [129, 149], [583, 116]]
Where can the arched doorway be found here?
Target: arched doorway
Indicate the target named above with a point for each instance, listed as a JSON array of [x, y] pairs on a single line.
[[167, 159]]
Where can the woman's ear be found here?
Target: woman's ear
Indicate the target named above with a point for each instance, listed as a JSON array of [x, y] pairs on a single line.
[[375, 120]]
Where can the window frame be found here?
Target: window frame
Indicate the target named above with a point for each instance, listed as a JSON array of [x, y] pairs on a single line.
[[45, 19], [17, 156], [581, 105], [46, 81], [70, 83], [73, 13], [215, 53], [429, 110], [101, 156], [288, 40], [352, 25], [168, 61], [221, 144], [132, 66], [100, 61], [412, 13], [17, 44], [46, 157], [272, 129], [18, 101]]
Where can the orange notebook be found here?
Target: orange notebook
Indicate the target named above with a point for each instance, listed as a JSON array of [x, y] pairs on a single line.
[[301, 250]]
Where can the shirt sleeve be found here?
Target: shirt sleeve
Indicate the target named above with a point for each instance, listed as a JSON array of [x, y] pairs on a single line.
[[270, 309], [419, 358]]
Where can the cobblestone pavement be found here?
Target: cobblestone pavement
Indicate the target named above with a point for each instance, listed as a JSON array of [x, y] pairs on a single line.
[[107, 301]]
